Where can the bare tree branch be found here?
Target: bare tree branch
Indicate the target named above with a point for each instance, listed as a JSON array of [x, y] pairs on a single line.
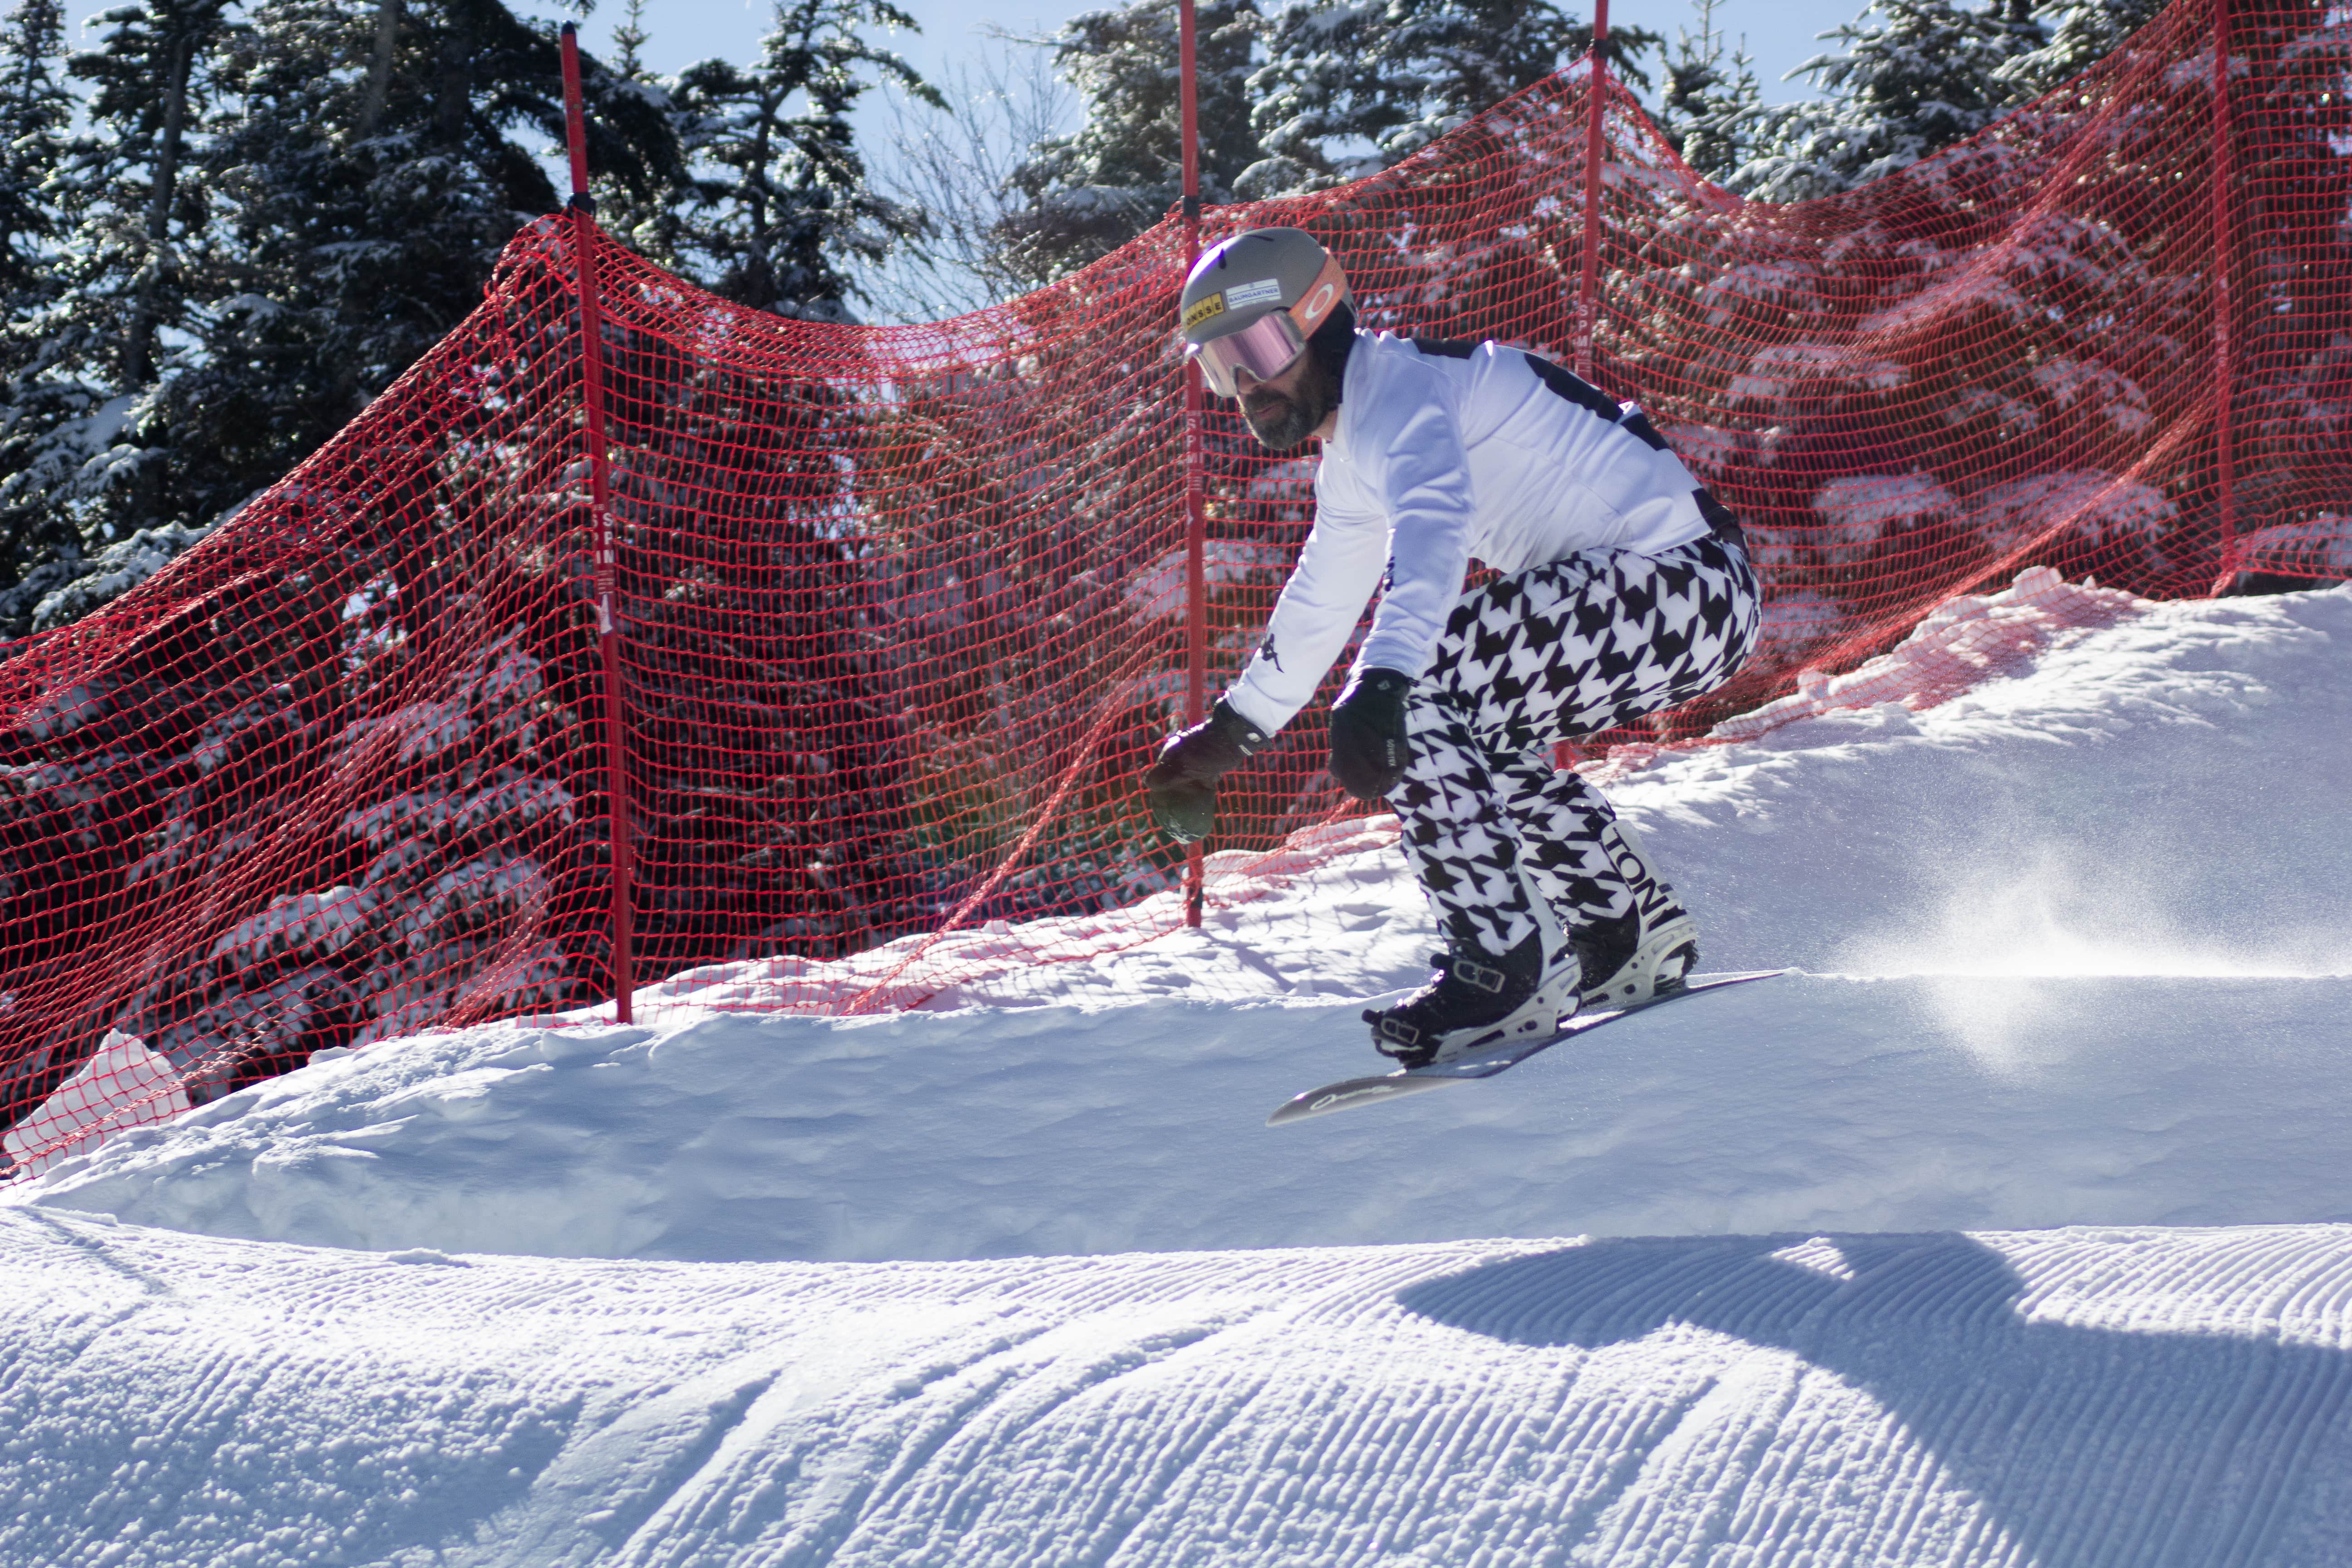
[[955, 166]]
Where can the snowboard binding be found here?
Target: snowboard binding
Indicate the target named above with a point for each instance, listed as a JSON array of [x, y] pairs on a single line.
[[1473, 1000]]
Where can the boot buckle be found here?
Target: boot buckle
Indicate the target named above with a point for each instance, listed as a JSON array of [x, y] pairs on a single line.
[[1485, 976]]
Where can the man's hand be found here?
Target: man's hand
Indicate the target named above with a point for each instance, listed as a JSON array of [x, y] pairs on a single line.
[[1183, 785], [1368, 749]]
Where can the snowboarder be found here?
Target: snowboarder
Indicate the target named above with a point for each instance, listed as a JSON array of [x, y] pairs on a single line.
[[1625, 588]]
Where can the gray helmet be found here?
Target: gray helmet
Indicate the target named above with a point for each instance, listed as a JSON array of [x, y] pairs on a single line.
[[1244, 281]]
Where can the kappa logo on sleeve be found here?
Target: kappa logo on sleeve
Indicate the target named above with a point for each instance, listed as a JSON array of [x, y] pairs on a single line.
[[1265, 651]]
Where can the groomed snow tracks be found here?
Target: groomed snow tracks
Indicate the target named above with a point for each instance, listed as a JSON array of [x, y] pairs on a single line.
[[2085, 1397]]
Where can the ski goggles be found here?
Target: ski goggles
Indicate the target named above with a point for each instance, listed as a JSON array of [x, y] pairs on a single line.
[[1265, 348], [1272, 343]]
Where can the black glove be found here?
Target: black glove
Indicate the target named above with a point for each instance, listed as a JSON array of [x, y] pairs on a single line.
[[1183, 784], [1369, 750]]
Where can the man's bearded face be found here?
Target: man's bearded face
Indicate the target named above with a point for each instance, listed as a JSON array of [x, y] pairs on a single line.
[[1284, 412]]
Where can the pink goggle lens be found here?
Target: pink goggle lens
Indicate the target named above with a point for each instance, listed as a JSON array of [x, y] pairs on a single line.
[[1265, 347]]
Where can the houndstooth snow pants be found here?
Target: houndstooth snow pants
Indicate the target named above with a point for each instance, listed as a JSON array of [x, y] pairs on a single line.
[[1583, 644]]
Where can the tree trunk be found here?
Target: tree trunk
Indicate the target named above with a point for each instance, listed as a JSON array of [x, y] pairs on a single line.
[[138, 350], [454, 97], [760, 276], [379, 82]]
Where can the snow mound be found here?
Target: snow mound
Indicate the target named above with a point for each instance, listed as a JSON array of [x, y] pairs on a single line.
[[1807, 1102], [2075, 947], [2094, 1399], [1960, 644], [91, 1103]]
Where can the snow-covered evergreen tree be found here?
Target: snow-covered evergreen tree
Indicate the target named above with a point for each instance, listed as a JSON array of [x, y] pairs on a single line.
[[35, 110], [153, 82], [1091, 192], [2082, 33], [67, 585], [356, 229], [1915, 75], [365, 194], [324, 205], [629, 40], [1711, 99], [1348, 90], [650, 214], [85, 456], [35, 113], [1308, 96], [782, 199]]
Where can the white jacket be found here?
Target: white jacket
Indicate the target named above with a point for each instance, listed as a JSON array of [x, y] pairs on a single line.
[[1445, 451]]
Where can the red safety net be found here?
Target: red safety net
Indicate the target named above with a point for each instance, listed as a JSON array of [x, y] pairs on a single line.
[[898, 615]]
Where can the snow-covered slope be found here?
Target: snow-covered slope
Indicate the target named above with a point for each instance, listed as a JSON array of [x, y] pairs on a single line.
[[1806, 1102], [2077, 948], [2073, 943], [2070, 1398]]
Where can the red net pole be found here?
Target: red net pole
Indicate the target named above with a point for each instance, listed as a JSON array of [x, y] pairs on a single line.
[[1588, 292], [2225, 365], [1196, 520], [592, 377]]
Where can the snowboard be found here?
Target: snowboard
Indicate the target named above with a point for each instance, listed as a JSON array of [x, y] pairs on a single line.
[[1349, 1093]]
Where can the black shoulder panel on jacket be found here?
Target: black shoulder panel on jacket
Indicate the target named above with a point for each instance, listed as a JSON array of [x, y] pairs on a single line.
[[1640, 428], [1575, 388]]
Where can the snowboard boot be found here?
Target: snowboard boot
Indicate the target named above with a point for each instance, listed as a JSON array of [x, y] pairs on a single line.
[[1474, 999], [1628, 958]]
